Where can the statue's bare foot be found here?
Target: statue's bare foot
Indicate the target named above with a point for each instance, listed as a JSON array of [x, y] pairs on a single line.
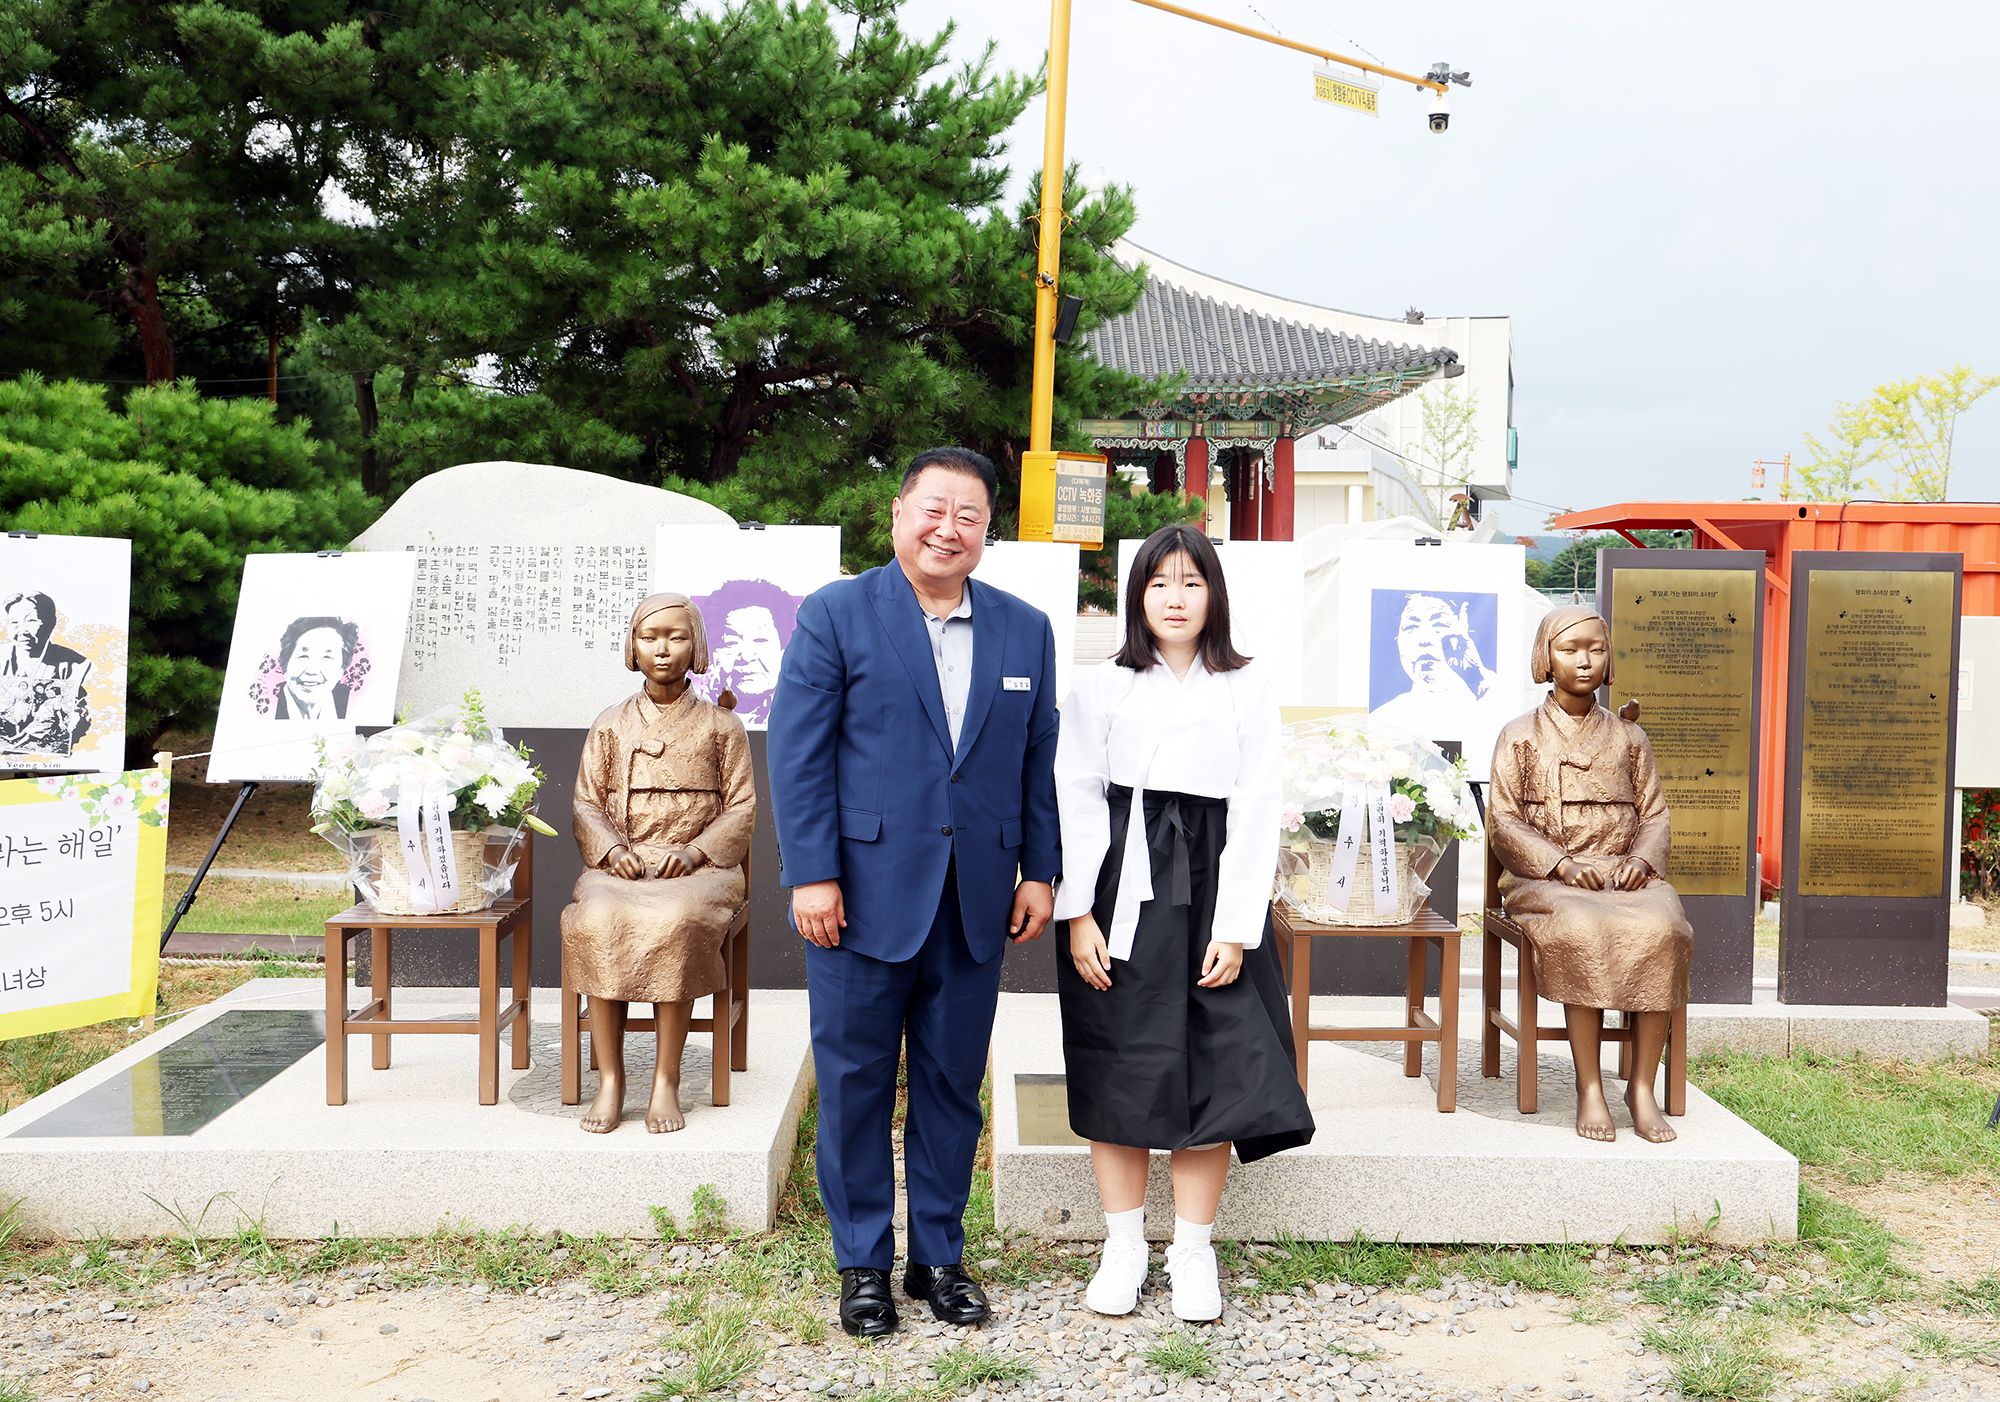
[[664, 1116], [1593, 1116], [1647, 1121], [608, 1108]]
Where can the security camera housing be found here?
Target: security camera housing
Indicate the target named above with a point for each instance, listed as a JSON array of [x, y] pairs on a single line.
[[1440, 120]]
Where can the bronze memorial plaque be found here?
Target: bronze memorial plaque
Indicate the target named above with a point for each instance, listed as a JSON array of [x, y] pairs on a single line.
[[1873, 807], [1041, 1105], [1684, 648]]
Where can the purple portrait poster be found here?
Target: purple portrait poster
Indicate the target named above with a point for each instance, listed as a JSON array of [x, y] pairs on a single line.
[[749, 585]]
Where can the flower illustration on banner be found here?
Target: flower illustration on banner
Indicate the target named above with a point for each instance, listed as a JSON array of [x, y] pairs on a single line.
[[139, 793]]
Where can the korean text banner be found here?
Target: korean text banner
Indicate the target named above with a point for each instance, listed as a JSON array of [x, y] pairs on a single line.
[[82, 863]]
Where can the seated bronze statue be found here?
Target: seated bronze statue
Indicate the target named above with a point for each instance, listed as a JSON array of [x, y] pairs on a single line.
[[1579, 823], [665, 805]]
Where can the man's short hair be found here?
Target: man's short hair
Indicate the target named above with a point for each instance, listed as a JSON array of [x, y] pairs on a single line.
[[957, 460]]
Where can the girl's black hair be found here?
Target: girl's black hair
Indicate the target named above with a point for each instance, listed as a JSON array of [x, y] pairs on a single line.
[[1141, 649]]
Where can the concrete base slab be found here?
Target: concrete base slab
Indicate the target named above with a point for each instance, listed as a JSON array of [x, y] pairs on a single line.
[[413, 1149], [1386, 1163], [1779, 1029]]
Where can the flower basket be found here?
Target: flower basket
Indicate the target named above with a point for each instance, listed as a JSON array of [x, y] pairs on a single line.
[[379, 859], [1410, 887], [1353, 782], [449, 769]]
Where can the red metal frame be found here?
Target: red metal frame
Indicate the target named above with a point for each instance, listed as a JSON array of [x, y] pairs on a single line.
[[1779, 528]]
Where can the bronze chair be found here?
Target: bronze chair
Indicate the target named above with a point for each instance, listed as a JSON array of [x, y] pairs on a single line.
[[1524, 1028], [729, 1025]]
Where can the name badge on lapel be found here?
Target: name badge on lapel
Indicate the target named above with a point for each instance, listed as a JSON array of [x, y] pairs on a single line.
[[1013, 683]]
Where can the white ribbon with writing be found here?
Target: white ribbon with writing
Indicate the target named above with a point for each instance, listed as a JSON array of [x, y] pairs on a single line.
[[1382, 849], [1346, 849], [423, 828]]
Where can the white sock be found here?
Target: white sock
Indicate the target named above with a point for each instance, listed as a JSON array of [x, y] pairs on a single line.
[[1188, 1233], [1131, 1223]]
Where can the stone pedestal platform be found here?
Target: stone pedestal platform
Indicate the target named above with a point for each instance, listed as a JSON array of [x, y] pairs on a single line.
[[411, 1150], [1385, 1163]]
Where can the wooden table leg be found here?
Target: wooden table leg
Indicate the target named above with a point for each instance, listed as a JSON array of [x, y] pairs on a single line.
[[524, 953], [1302, 967], [336, 1015], [1413, 1002], [379, 956], [1448, 1024], [489, 1015]]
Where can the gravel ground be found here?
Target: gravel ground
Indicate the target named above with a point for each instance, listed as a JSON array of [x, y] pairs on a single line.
[[220, 1337]]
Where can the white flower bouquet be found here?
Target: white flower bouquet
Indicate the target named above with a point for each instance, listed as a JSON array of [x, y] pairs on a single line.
[[428, 812], [1372, 808]]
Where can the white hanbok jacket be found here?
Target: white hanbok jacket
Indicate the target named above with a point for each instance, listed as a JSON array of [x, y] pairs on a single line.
[[1212, 734]]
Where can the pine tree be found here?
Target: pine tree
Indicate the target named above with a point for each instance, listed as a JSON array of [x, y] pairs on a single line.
[[194, 484]]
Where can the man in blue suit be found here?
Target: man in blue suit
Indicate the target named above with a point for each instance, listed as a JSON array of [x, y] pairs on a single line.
[[912, 759]]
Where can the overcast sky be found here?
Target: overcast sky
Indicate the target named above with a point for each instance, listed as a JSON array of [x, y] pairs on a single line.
[[1707, 221]]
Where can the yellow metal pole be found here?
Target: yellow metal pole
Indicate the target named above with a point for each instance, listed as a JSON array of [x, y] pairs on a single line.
[[1048, 266], [1432, 83]]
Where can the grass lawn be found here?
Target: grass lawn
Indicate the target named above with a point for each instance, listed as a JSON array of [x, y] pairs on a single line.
[[227, 906]]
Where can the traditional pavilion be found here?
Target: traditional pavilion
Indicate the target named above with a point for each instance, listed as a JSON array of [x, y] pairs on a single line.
[[1261, 375]]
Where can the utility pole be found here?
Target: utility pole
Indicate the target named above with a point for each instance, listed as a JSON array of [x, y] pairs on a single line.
[[1048, 264]]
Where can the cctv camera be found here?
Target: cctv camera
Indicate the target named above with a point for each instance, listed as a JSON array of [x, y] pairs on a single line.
[[1440, 114]]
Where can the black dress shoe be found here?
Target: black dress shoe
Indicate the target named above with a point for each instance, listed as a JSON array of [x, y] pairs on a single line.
[[866, 1307], [955, 1297]]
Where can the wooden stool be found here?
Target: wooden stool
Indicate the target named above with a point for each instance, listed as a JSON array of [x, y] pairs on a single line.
[[1524, 1028], [731, 1016], [501, 920], [1424, 928]]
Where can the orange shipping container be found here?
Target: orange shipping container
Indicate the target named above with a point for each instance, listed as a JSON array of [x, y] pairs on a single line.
[[1970, 529]]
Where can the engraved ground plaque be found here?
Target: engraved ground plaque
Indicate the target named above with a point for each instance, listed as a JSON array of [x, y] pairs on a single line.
[[1686, 638], [1870, 730], [1041, 1104]]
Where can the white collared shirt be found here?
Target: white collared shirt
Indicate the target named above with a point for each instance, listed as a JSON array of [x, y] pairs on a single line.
[[1211, 734]]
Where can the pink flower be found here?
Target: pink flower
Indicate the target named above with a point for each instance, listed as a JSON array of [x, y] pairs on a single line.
[[153, 784], [1321, 753], [1291, 817], [374, 807], [1402, 808]]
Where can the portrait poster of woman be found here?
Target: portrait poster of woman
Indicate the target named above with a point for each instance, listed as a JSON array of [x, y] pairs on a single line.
[[65, 602], [748, 585], [316, 650], [1430, 639]]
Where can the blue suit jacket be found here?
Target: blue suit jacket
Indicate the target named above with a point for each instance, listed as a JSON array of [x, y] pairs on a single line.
[[865, 786]]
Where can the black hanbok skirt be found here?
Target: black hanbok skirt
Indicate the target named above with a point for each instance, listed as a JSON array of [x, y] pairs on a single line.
[[1156, 1061]]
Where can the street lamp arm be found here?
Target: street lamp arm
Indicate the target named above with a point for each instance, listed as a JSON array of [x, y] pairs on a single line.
[[1434, 84]]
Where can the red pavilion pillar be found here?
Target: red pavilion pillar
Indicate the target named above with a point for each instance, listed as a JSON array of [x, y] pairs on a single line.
[[1197, 475], [1280, 496]]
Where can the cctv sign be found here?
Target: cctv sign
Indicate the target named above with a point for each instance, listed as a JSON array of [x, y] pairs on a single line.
[[1355, 89]]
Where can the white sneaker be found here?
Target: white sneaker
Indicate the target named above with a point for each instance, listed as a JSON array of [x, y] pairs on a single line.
[[1197, 1290], [1115, 1287]]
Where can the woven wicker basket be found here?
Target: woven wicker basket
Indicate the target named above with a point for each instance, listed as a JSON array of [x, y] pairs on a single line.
[[1361, 901], [386, 872]]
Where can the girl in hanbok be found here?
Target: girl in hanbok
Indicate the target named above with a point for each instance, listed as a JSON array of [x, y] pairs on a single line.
[[1579, 822], [1176, 1034], [664, 809]]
